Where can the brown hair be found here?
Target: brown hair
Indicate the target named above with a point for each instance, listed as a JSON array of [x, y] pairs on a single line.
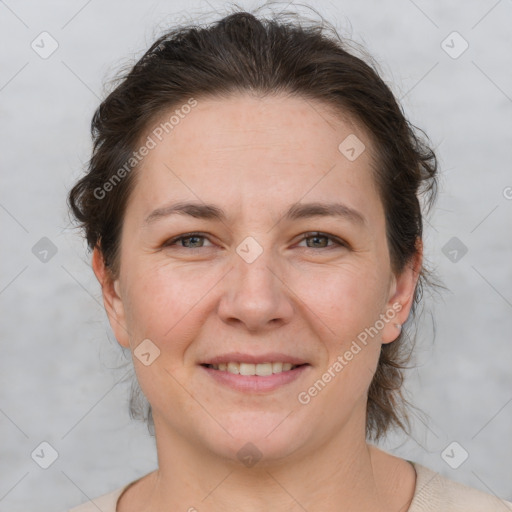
[[244, 53]]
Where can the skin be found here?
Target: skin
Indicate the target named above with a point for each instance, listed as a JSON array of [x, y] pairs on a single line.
[[255, 157]]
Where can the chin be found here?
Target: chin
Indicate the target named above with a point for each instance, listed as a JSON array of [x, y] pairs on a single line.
[[261, 437]]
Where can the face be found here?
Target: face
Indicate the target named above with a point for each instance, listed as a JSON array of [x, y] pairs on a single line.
[[258, 276]]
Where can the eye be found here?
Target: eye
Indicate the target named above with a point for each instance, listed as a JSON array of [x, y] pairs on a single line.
[[189, 241], [196, 241], [320, 241]]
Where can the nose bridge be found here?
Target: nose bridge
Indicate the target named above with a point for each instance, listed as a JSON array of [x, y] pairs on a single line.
[[255, 294], [253, 264]]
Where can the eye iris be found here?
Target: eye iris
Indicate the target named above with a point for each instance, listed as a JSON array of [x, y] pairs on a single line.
[[184, 241], [316, 237], [197, 241]]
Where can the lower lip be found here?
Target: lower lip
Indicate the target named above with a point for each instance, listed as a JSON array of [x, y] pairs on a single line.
[[255, 383]]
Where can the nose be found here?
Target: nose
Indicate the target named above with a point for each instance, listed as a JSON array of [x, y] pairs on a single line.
[[256, 294]]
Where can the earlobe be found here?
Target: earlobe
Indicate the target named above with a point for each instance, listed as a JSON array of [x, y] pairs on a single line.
[[402, 293], [111, 298], [116, 287]]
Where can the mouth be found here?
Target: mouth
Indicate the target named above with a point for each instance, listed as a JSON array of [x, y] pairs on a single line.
[[254, 377], [249, 369]]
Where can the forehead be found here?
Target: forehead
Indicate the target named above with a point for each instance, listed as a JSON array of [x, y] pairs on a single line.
[[246, 150]]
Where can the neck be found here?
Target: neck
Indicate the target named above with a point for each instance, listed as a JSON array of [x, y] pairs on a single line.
[[343, 473]]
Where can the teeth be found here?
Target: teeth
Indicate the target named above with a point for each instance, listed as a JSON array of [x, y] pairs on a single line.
[[261, 369], [247, 369], [277, 367], [233, 368]]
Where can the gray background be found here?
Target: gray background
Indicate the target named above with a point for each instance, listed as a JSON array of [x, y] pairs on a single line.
[[57, 379]]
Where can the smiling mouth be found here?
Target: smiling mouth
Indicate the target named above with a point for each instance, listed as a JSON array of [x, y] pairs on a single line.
[[249, 369]]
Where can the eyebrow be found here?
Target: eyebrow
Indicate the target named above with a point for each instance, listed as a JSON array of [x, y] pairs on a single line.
[[295, 212]]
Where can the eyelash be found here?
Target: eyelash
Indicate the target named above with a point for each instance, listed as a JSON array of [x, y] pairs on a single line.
[[313, 234]]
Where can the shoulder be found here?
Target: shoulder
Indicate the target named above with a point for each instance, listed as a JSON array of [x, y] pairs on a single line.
[[105, 502], [436, 493], [433, 493]]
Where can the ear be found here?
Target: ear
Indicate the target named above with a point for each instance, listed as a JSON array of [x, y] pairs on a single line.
[[112, 300], [401, 295]]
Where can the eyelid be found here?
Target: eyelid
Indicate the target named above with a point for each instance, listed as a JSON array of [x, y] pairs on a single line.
[[310, 234], [333, 238], [171, 241]]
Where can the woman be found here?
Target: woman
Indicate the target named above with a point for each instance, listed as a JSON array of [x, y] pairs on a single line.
[[252, 203]]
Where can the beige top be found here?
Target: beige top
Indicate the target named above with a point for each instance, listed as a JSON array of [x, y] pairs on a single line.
[[433, 493]]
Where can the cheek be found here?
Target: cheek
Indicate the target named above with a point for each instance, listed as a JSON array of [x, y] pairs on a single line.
[[164, 302], [347, 305], [161, 301], [347, 299]]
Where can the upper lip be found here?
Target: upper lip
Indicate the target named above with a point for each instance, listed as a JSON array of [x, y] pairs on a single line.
[[269, 357]]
